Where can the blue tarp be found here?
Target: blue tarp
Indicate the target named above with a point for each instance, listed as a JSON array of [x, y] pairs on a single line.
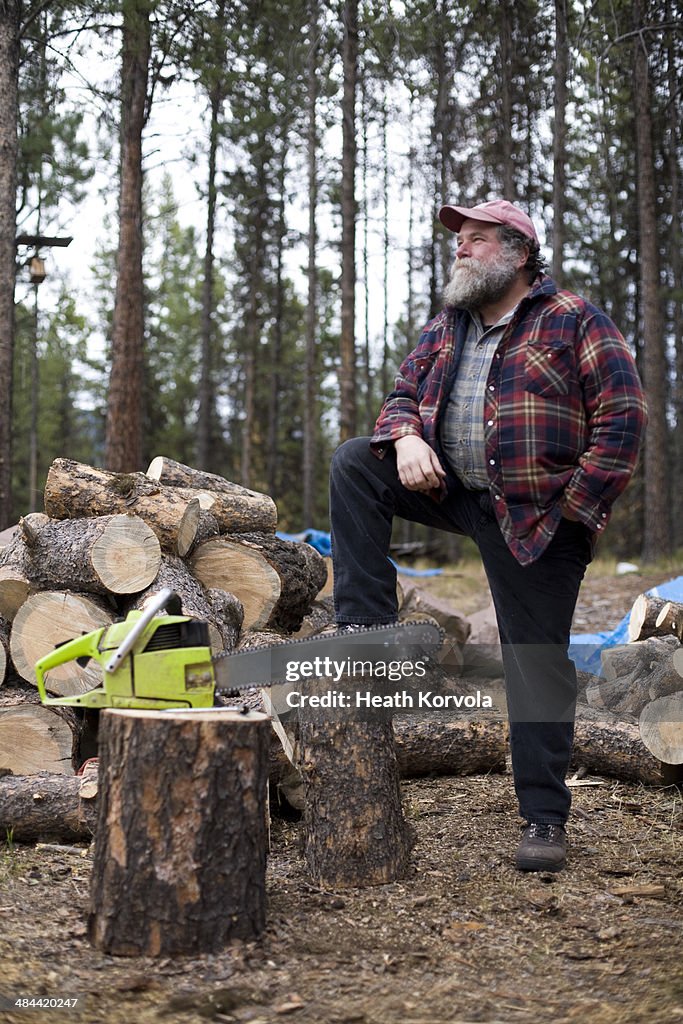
[[321, 542], [585, 648]]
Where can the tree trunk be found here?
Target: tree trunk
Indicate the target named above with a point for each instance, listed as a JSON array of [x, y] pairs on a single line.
[[124, 442], [310, 412], [108, 554], [10, 17], [560, 69], [505, 134], [276, 580], [657, 525], [207, 398], [45, 621], [182, 835], [354, 830], [347, 370]]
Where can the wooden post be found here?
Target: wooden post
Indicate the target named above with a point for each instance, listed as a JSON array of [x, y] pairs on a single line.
[[180, 852], [354, 830]]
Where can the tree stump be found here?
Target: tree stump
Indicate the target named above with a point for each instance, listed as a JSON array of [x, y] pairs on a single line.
[[180, 853], [354, 830]]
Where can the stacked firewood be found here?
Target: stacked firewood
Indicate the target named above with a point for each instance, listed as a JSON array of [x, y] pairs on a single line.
[[642, 679], [106, 544]]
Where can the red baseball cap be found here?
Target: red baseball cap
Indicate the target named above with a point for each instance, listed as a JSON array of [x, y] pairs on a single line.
[[498, 211]]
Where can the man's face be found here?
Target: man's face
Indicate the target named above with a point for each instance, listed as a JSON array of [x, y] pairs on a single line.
[[484, 270]]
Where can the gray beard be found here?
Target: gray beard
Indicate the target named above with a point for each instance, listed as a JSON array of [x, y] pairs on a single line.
[[474, 284]]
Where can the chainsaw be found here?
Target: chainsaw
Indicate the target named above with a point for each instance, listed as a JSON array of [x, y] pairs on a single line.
[[164, 661]]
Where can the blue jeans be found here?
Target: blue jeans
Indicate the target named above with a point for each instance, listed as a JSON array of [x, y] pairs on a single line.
[[534, 604]]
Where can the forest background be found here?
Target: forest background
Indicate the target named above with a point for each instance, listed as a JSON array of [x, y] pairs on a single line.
[[252, 193]]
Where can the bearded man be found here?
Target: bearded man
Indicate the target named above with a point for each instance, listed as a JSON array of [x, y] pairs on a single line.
[[516, 421]]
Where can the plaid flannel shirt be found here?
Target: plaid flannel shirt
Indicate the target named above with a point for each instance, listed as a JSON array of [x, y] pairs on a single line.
[[564, 412]]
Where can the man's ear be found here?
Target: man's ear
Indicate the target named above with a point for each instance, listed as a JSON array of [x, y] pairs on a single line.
[[526, 252]]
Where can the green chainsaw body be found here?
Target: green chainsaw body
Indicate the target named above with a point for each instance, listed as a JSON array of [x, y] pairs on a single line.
[[156, 660], [168, 665]]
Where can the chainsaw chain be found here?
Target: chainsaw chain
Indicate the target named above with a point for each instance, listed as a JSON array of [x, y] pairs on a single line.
[[358, 631]]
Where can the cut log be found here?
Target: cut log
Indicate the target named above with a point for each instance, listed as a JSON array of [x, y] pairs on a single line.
[[4, 649], [110, 554], [420, 602], [195, 527], [661, 727], [221, 610], [354, 830], [48, 808], [610, 744], [180, 854], [635, 674], [15, 587], [73, 489], [642, 621], [670, 620], [48, 619], [449, 744], [35, 739], [276, 580], [175, 474]]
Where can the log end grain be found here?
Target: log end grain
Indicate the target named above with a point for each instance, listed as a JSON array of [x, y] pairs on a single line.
[[48, 619], [661, 728], [127, 555]]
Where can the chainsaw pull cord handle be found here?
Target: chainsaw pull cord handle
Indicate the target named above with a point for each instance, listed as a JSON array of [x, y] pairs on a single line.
[[86, 646], [155, 606]]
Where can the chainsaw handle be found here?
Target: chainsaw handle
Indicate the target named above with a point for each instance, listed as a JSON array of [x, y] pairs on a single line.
[[125, 647], [86, 646]]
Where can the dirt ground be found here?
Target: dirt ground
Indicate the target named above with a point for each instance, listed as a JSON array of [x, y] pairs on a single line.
[[464, 938]]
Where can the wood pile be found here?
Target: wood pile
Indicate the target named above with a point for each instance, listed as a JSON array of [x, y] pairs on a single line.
[[106, 544], [642, 681]]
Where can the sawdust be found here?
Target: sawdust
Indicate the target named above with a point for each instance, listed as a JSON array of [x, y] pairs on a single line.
[[463, 938]]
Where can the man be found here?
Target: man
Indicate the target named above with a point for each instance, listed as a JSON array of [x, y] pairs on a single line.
[[516, 421]]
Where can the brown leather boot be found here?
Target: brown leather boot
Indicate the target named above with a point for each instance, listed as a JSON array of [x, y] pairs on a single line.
[[542, 848]]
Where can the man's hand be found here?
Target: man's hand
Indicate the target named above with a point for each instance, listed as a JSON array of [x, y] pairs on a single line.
[[418, 466]]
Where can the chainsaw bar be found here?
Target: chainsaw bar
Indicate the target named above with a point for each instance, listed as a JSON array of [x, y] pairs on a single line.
[[273, 665]]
